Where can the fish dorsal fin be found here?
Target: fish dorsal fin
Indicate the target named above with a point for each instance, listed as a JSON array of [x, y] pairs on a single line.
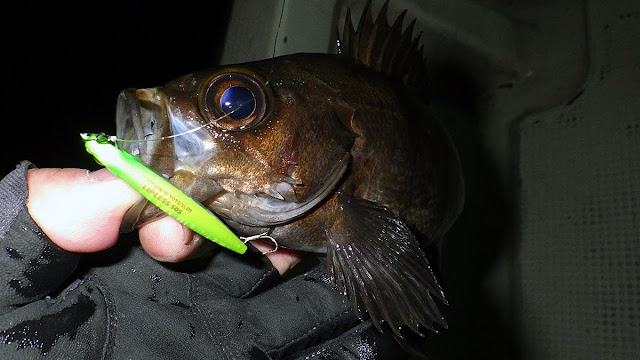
[[383, 47]]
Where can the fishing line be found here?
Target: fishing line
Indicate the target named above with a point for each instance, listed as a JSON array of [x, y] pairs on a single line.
[[209, 123], [275, 41]]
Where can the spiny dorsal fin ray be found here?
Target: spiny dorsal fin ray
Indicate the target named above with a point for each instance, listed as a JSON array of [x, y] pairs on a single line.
[[385, 48], [392, 50], [363, 34], [347, 36], [381, 30]]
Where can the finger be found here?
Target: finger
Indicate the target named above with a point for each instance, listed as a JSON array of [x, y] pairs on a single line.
[[282, 259], [80, 211], [167, 240]]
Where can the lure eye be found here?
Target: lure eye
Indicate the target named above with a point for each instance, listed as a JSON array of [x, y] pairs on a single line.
[[233, 101]]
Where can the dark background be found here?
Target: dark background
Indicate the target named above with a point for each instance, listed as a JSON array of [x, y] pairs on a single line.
[[64, 65]]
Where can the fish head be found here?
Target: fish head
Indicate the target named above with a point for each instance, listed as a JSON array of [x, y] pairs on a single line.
[[259, 144]]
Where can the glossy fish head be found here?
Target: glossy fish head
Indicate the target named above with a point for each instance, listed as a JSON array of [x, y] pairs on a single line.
[[260, 144]]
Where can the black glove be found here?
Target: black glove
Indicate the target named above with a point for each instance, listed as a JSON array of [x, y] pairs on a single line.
[[254, 316]]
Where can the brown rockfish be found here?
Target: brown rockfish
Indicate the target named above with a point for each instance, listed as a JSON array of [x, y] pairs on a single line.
[[332, 154]]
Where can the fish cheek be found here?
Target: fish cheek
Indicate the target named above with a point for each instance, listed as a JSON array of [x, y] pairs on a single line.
[[197, 187], [316, 141], [239, 168]]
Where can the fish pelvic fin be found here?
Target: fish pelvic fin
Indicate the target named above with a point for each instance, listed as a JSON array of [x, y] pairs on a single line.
[[385, 48], [377, 262]]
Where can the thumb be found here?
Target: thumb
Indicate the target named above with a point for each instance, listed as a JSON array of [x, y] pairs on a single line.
[[79, 210]]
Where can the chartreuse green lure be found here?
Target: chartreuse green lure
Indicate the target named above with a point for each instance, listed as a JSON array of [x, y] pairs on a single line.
[[161, 192]]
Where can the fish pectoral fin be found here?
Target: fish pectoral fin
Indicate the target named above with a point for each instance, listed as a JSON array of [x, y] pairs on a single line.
[[377, 262]]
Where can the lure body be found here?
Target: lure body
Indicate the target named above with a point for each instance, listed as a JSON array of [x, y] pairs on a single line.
[[161, 193]]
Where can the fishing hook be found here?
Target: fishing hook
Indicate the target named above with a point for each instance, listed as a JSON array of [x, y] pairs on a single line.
[[262, 236]]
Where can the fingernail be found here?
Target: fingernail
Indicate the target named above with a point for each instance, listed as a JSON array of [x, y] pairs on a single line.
[[100, 175], [192, 240]]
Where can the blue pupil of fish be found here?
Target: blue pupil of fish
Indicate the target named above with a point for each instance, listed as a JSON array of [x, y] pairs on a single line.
[[238, 102]]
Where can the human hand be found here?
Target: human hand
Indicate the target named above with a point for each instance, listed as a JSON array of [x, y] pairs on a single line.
[[302, 317], [81, 211]]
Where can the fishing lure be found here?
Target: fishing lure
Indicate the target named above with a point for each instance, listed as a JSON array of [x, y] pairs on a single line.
[[161, 192]]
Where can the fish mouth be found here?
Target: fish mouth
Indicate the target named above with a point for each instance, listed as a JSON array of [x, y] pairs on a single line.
[[128, 121], [140, 125], [138, 122]]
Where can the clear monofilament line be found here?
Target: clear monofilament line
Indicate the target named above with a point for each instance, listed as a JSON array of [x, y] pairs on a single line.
[[211, 122]]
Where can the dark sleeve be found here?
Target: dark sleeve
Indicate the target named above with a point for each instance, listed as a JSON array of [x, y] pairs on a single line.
[[45, 309], [31, 266]]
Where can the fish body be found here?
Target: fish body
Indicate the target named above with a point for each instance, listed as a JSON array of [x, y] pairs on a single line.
[[329, 154]]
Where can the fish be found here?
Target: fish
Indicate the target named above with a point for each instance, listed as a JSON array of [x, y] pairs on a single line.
[[338, 155]]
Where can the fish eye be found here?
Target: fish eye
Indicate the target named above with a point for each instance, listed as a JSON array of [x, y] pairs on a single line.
[[233, 100], [238, 102]]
